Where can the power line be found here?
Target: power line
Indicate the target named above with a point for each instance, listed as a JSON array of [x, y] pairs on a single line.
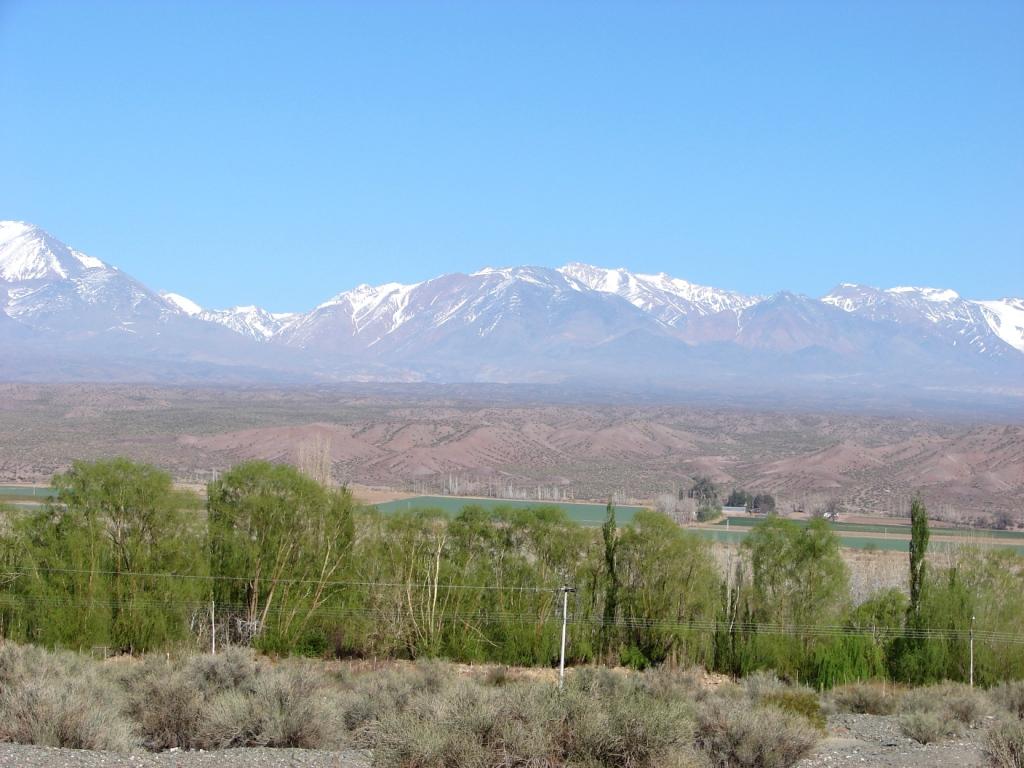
[[399, 611], [273, 580]]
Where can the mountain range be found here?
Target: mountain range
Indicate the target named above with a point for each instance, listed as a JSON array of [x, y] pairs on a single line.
[[68, 316]]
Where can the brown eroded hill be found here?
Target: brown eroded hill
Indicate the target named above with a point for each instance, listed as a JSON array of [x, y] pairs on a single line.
[[513, 442]]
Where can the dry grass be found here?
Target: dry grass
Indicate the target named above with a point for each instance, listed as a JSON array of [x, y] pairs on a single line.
[[601, 719], [291, 706], [865, 698], [738, 735], [1004, 745], [1009, 696], [956, 702], [926, 727], [59, 700], [941, 711]]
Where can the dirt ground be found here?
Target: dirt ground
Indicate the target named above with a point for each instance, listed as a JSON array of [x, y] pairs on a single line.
[[875, 740], [853, 740], [424, 440]]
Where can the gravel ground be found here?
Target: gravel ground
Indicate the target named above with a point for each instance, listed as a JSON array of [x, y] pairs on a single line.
[[875, 740], [19, 756]]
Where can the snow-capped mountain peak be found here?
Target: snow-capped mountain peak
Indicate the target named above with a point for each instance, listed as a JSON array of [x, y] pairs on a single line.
[[29, 253], [518, 323], [936, 304], [937, 295], [939, 311], [250, 320], [1006, 318], [671, 299], [365, 304], [182, 303]]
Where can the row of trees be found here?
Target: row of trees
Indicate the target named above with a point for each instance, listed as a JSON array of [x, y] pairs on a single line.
[[124, 560], [763, 503]]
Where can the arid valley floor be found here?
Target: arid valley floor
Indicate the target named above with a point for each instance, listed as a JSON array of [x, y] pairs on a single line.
[[520, 441]]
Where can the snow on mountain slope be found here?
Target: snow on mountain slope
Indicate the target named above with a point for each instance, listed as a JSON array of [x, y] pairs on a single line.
[[49, 286], [251, 321], [491, 312], [367, 304], [183, 303], [527, 324], [29, 253], [935, 312], [254, 322], [935, 305], [670, 299], [1006, 319]]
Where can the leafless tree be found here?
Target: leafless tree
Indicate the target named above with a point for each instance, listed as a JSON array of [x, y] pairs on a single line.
[[314, 458], [682, 510]]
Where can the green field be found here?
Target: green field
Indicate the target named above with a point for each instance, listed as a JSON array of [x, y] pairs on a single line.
[[584, 514], [26, 492], [897, 539], [847, 542], [890, 543], [895, 528]]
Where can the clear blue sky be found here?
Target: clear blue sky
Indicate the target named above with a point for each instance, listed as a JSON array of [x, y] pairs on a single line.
[[278, 153]]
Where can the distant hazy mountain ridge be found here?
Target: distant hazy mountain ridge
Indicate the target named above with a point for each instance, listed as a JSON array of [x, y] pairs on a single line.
[[64, 314]]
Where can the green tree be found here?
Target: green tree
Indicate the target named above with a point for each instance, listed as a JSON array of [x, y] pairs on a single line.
[[609, 535], [278, 543], [919, 536], [669, 594], [112, 561], [798, 581], [912, 656], [738, 498]]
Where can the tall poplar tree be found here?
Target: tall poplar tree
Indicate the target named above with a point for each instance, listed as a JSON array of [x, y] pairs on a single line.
[[918, 549], [611, 595]]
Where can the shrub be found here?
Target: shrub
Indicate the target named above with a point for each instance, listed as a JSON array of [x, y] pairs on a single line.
[[865, 699], [168, 709], [234, 669], [1010, 696], [619, 726], [19, 663], [430, 676], [289, 708], [800, 702], [762, 683], [1004, 745], [600, 719], [497, 676], [928, 726], [437, 731], [78, 713], [170, 705], [954, 701], [634, 658], [738, 736], [374, 695], [664, 682], [965, 704], [228, 721]]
